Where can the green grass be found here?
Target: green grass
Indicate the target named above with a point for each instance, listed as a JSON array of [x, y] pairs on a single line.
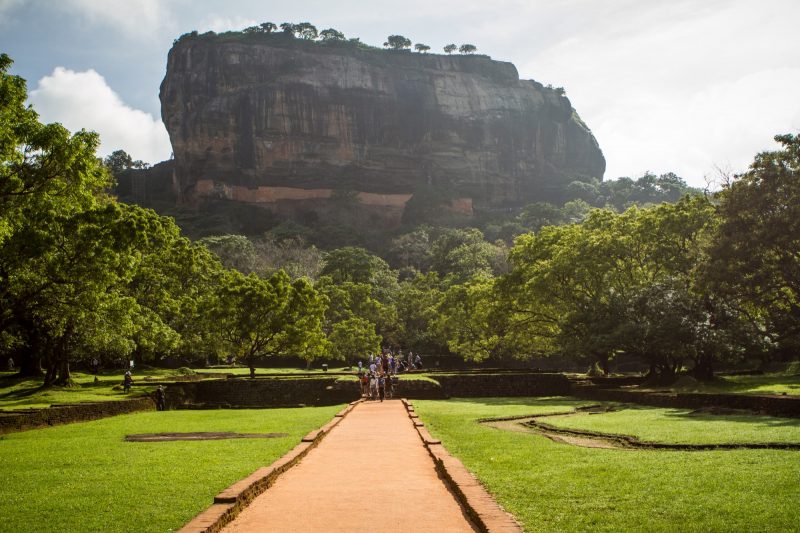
[[557, 487], [680, 427], [84, 477], [778, 383], [16, 393]]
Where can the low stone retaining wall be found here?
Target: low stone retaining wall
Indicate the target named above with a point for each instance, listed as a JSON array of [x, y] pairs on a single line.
[[245, 392], [506, 384], [788, 406], [253, 393], [11, 421]]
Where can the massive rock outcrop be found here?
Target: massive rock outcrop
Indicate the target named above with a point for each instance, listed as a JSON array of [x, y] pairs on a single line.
[[294, 124]]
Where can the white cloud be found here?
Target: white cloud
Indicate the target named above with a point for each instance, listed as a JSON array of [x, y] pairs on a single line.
[[141, 18], [83, 100], [678, 86], [220, 24]]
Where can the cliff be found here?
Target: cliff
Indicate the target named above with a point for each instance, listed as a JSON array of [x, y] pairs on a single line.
[[293, 124]]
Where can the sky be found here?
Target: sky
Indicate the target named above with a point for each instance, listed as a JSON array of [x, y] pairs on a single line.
[[695, 87]]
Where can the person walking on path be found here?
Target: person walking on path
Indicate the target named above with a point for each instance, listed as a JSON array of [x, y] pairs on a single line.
[[373, 386], [382, 386], [161, 398], [127, 381]]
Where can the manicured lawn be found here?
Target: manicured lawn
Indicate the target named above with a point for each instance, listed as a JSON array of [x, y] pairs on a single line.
[[680, 426], [17, 393], [782, 384], [84, 477], [558, 487]]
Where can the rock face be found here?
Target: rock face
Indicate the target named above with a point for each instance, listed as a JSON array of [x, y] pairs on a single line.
[[283, 122]]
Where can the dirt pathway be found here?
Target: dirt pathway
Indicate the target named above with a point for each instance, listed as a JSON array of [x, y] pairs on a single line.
[[371, 473]]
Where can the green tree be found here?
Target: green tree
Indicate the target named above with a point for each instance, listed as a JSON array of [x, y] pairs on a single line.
[[397, 42], [755, 256], [423, 48], [467, 49], [305, 30], [331, 35], [118, 161], [274, 316], [357, 265], [268, 27], [450, 48], [353, 338], [235, 251]]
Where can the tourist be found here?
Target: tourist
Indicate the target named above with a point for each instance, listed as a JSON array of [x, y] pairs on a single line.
[[10, 364], [373, 386], [389, 387], [382, 386], [127, 381], [363, 381], [418, 362], [161, 398], [410, 360]]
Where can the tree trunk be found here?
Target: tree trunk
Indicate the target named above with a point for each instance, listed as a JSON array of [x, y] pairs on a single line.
[[64, 377], [703, 369]]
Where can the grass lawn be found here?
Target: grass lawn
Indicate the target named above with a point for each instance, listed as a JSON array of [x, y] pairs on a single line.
[[27, 393], [679, 426], [763, 384], [557, 487], [84, 477]]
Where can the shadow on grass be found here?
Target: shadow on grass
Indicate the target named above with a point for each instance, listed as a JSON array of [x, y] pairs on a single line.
[[521, 400], [740, 418]]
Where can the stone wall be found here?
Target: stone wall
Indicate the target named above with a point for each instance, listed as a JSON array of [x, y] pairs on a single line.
[[11, 421], [245, 392], [504, 384], [769, 405]]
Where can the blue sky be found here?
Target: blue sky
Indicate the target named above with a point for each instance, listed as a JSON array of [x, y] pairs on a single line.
[[694, 87]]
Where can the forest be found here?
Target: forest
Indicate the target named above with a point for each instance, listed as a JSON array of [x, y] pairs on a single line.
[[678, 279]]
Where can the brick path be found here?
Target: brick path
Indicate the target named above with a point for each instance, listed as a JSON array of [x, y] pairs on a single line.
[[371, 473]]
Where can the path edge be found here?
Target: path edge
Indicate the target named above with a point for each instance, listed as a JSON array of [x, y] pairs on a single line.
[[230, 502], [481, 507]]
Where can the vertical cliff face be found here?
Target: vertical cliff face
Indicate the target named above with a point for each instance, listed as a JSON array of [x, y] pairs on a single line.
[[270, 119]]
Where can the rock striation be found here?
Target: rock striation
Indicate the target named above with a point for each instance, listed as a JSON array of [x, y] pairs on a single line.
[[288, 123]]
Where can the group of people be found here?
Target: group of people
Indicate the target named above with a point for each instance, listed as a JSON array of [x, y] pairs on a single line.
[[378, 379]]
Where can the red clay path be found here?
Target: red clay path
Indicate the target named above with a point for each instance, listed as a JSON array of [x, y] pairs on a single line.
[[371, 474]]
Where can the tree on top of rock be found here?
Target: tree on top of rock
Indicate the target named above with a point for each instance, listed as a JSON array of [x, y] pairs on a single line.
[[268, 27], [305, 30], [467, 48], [423, 48], [287, 28], [450, 48], [331, 35], [397, 42]]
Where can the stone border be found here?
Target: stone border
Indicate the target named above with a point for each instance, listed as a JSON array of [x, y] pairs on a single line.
[[231, 501], [625, 442], [479, 505], [26, 419]]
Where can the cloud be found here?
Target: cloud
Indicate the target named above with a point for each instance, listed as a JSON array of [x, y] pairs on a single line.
[[83, 100], [677, 86], [139, 19], [220, 24]]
